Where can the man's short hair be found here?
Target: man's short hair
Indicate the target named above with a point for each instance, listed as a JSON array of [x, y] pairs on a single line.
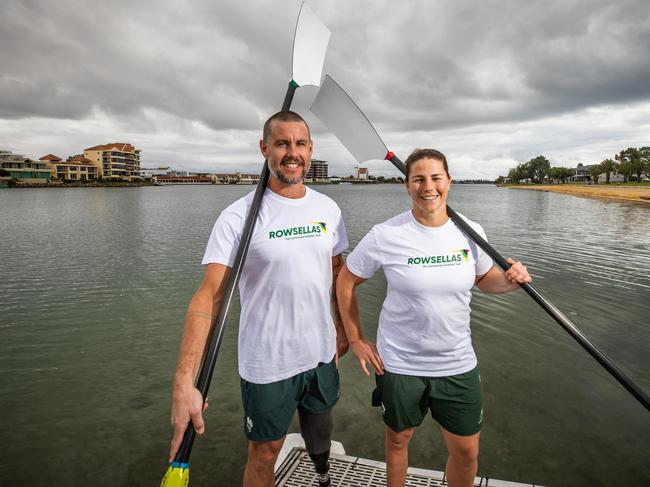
[[283, 116]]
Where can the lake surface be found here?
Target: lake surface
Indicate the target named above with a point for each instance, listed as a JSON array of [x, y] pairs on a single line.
[[95, 283]]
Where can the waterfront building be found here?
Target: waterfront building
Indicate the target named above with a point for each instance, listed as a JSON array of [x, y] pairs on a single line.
[[236, 178], [50, 159], [75, 168], [166, 179], [248, 178], [582, 174], [225, 178], [23, 169], [361, 172], [149, 172], [116, 160], [317, 171]]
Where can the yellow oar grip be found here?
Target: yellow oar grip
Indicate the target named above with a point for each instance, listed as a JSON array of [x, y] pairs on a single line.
[[177, 475]]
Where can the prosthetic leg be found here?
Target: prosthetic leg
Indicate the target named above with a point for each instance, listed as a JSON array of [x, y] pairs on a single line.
[[316, 430]]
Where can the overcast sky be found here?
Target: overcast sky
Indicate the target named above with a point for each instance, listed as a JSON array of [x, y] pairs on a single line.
[[190, 83]]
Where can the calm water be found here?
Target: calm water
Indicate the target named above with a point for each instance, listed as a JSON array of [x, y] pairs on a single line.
[[94, 288]]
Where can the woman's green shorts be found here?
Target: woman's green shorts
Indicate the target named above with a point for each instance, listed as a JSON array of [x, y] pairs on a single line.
[[455, 402]]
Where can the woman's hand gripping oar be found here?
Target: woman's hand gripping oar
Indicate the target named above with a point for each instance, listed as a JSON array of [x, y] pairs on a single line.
[[347, 122]]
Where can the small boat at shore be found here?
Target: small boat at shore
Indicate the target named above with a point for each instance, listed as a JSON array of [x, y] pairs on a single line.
[[294, 469]]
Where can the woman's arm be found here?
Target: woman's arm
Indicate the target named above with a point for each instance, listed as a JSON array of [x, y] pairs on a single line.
[[495, 281], [364, 350]]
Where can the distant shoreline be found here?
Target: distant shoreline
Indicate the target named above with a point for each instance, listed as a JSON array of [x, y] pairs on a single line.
[[137, 184], [122, 184], [638, 194]]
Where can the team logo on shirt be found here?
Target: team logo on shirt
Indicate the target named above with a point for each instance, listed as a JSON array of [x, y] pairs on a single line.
[[465, 254], [453, 257], [313, 229], [322, 226]]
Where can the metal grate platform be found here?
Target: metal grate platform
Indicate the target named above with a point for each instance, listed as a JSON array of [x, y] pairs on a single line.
[[297, 471]]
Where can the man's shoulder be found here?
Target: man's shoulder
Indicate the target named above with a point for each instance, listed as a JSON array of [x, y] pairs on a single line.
[[322, 200], [234, 215], [240, 206]]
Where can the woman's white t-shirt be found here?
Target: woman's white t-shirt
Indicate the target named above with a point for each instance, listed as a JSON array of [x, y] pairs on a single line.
[[424, 325]]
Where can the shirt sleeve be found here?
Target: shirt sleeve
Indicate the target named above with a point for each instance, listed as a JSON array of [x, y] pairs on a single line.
[[224, 239], [340, 237], [365, 259], [483, 260]]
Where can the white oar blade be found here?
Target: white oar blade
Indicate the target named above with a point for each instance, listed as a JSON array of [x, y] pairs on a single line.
[[342, 116], [309, 47]]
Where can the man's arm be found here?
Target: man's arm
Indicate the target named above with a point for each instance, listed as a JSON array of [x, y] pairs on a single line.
[[341, 337], [495, 281], [187, 403]]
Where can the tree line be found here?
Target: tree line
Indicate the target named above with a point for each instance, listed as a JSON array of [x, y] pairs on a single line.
[[632, 163]]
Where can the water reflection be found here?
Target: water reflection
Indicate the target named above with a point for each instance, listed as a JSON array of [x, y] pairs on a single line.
[[94, 288]]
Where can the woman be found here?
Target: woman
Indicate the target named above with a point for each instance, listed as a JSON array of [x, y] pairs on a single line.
[[424, 359]]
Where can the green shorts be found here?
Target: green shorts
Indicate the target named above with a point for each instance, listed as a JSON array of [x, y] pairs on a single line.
[[269, 408], [455, 402]]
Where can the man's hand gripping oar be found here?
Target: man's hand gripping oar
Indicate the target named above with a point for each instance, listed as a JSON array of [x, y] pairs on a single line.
[[309, 47]]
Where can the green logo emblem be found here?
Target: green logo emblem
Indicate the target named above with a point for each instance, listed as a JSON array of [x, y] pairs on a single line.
[[323, 226], [464, 253]]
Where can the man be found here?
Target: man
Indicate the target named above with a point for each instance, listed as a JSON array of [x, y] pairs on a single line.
[[287, 339]]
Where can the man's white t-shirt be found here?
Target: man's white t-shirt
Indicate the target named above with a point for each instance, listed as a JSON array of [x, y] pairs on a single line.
[[424, 325], [286, 325]]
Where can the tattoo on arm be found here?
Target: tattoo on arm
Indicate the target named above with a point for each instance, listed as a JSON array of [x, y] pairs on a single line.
[[199, 314]]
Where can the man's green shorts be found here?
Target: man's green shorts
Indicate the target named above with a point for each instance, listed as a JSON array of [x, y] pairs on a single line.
[[455, 402], [269, 408]]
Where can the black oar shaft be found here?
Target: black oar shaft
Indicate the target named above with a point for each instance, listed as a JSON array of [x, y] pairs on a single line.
[[632, 387], [216, 335], [288, 98]]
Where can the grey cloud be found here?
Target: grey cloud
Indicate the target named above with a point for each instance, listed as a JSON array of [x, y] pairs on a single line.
[[202, 61], [450, 64], [419, 67]]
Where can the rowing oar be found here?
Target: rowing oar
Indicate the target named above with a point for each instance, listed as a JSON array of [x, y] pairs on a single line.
[[309, 46], [347, 122]]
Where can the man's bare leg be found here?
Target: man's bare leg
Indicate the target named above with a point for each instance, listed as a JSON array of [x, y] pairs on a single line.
[[462, 462], [397, 455], [261, 460]]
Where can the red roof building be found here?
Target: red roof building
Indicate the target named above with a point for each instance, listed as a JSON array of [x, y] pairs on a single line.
[[116, 160], [50, 158]]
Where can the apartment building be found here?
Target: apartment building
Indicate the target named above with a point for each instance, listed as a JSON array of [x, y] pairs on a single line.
[[75, 168], [115, 161], [317, 171], [21, 168], [361, 172]]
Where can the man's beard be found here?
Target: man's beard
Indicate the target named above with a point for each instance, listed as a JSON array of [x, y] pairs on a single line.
[[286, 180]]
